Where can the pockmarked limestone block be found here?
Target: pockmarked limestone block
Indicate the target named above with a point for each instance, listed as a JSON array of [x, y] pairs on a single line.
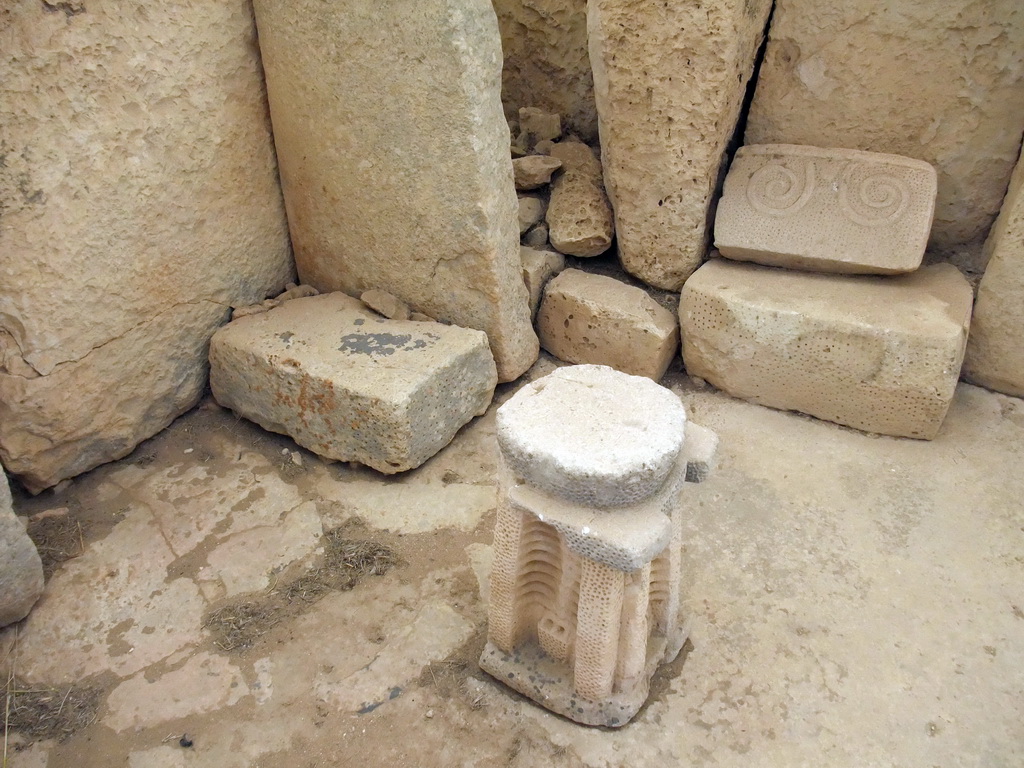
[[826, 210], [585, 598], [586, 318], [579, 216], [21, 570], [546, 62], [138, 196], [534, 171], [589, 434], [995, 347], [394, 158], [669, 80], [881, 354], [539, 266], [350, 385], [940, 82]]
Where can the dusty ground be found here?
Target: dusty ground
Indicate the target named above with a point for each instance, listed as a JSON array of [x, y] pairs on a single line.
[[855, 601]]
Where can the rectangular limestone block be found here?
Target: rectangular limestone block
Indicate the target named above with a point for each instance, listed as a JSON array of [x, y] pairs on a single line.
[[995, 348], [139, 201], [881, 354], [587, 318], [350, 385], [394, 156], [669, 81], [942, 82], [826, 210]]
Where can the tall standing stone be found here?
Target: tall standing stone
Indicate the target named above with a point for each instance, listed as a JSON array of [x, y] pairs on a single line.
[[394, 158], [669, 80], [138, 201], [546, 60], [995, 347], [941, 82]]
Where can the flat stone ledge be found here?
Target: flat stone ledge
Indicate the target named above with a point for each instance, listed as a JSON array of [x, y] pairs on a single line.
[[592, 435]]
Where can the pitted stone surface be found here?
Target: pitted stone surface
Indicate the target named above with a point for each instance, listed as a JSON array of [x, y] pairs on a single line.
[[534, 171], [995, 348], [546, 61], [394, 156], [941, 82], [826, 210], [21, 570], [579, 215], [587, 318], [669, 79], [139, 200], [592, 435], [350, 385], [881, 354]]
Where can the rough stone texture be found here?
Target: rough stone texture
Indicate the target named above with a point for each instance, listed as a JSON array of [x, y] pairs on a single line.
[[138, 201], [995, 347], [539, 266], [826, 210], [546, 61], [534, 171], [538, 127], [592, 435], [586, 318], [390, 396], [531, 210], [700, 450], [941, 82], [881, 354], [669, 82], [385, 304], [579, 215], [21, 570], [537, 237], [395, 158]]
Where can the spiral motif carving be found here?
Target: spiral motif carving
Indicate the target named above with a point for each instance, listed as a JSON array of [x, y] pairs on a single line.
[[870, 197], [778, 190]]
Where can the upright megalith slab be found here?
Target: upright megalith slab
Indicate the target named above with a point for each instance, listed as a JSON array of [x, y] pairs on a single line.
[[826, 210], [669, 80], [395, 159], [350, 385], [995, 348], [941, 82], [881, 354], [139, 201]]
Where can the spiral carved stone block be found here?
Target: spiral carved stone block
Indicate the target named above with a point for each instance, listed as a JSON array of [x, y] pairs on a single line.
[[827, 210]]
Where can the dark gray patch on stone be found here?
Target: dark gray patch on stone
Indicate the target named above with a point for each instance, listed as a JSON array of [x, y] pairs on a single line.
[[381, 344]]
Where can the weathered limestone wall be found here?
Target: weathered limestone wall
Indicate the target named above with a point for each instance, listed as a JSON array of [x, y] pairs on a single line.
[[395, 158], [995, 348], [138, 200], [546, 61], [669, 80], [936, 81]]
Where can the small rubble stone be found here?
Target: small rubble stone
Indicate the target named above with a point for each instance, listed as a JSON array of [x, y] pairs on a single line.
[[350, 385], [537, 237], [881, 354], [543, 147], [539, 267], [579, 215], [292, 291], [419, 317], [995, 348], [531, 210], [587, 318], [534, 171], [826, 210], [536, 125], [21, 569], [385, 304]]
